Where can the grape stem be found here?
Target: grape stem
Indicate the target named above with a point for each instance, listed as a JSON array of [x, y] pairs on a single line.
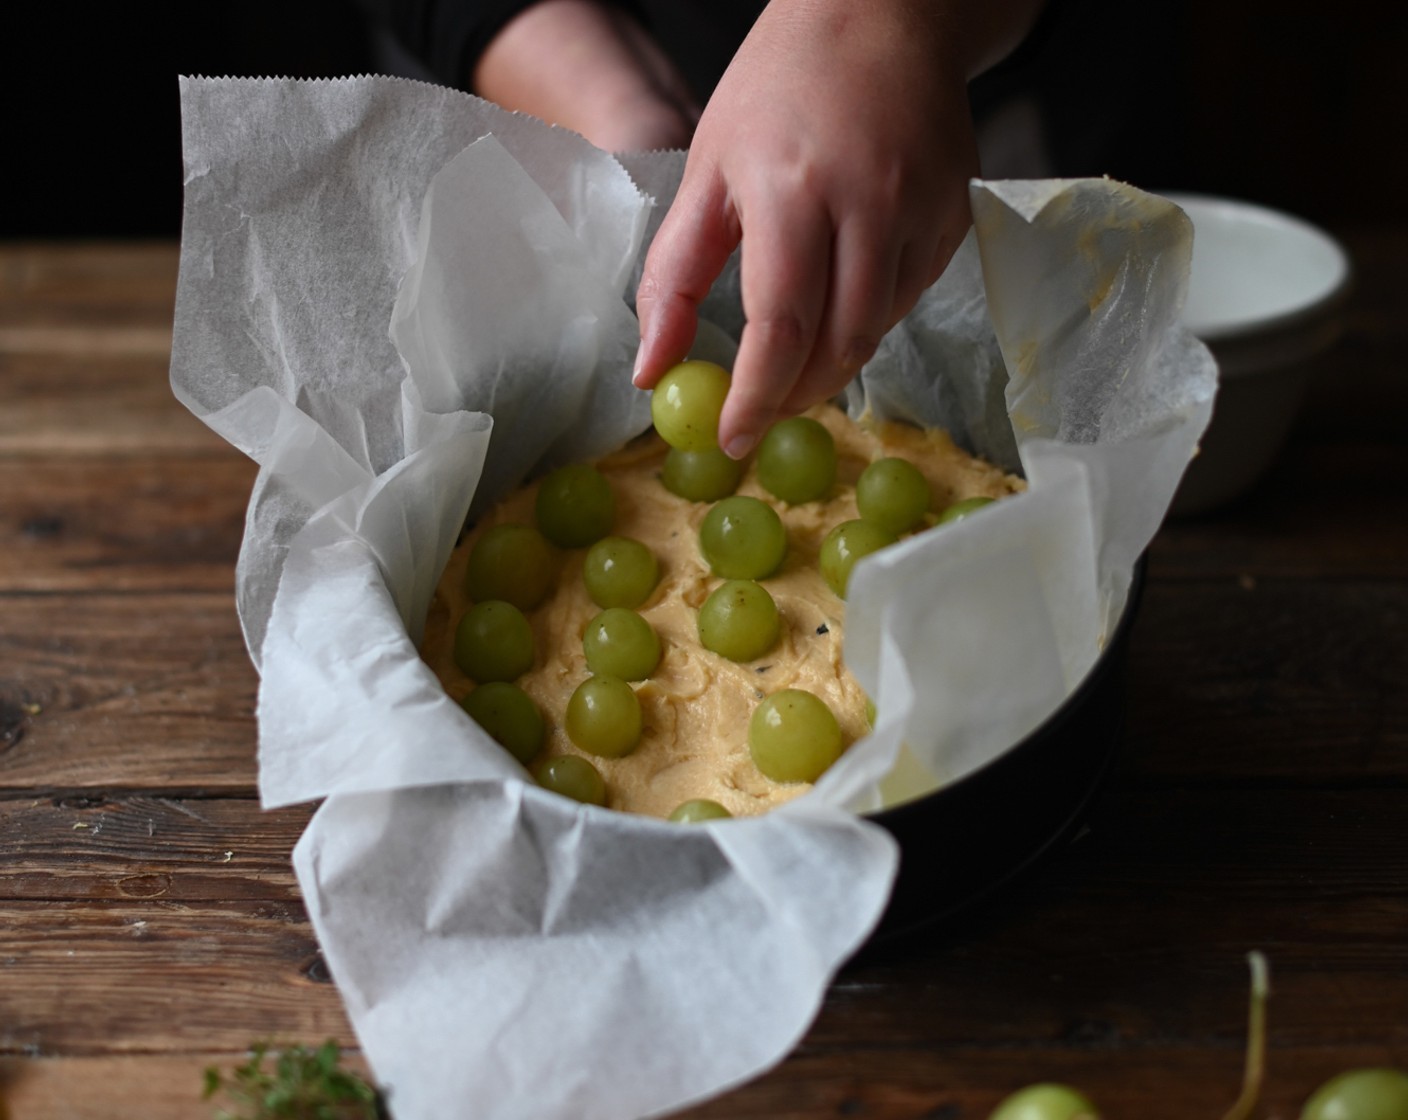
[[1256, 1041]]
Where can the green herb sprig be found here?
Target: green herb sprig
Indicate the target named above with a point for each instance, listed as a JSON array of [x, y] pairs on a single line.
[[304, 1083]]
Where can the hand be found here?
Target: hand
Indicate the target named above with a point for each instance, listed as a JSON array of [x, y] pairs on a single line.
[[837, 148], [592, 68]]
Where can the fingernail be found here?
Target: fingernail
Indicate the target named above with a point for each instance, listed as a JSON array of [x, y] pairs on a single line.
[[859, 352], [635, 373], [739, 446]]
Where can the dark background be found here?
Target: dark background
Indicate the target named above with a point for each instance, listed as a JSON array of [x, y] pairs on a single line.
[[1287, 104]]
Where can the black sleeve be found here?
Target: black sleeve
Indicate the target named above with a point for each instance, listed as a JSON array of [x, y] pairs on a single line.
[[448, 36]]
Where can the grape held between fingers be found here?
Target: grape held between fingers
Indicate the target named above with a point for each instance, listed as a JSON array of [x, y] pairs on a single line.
[[686, 403]]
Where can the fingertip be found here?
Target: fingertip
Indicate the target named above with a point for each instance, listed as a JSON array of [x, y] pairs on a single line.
[[739, 446], [746, 415], [667, 333]]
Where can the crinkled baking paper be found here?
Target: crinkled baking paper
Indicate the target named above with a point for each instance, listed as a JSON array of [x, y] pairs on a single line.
[[402, 302]]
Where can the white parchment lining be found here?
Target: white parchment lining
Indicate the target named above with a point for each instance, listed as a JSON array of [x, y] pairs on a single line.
[[402, 301]]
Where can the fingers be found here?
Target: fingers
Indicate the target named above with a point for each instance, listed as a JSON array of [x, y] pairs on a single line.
[[688, 253], [858, 312], [785, 279]]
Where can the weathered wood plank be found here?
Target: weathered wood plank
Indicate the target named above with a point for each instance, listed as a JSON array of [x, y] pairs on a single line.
[[106, 691], [93, 284], [152, 1086], [1270, 681], [100, 403], [1157, 1080], [130, 691], [141, 977], [1331, 511], [1063, 955], [160, 976], [1323, 683], [105, 525], [1153, 1083], [80, 848], [1334, 849]]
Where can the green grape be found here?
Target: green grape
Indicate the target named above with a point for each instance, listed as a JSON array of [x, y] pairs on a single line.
[[619, 643], [743, 538], [700, 809], [793, 736], [870, 713], [572, 777], [686, 405], [620, 572], [494, 642], [510, 562], [701, 476], [1360, 1094], [959, 510], [603, 717], [575, 506], [509, 716], [797, 460], [846, 544], [739, 620], [893, 494], [1047, 1101]]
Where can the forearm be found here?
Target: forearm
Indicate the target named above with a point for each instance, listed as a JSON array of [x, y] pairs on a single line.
[[970, 36], [591, 67]]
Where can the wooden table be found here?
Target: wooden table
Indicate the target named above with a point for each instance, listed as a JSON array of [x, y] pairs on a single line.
[[150, 924]]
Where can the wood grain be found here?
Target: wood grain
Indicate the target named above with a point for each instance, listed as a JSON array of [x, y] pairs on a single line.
[[1326, 511], [150, 924], [129, 524], [1322, 679], [903, 1084], [147, 976], [95, 404], [88, 284], [150, 691], [1273, 680], [80, 847], [156, 1086]]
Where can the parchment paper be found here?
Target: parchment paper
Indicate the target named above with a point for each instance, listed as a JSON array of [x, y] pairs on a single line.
[[402, 301]]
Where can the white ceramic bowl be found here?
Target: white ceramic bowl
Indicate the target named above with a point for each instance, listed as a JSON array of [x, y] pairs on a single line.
[[1265, 294]]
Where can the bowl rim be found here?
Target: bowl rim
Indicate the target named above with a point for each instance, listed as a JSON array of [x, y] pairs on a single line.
[[1331, 296]]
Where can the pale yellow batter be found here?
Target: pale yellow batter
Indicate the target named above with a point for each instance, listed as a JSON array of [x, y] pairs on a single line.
[[697, 704]]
